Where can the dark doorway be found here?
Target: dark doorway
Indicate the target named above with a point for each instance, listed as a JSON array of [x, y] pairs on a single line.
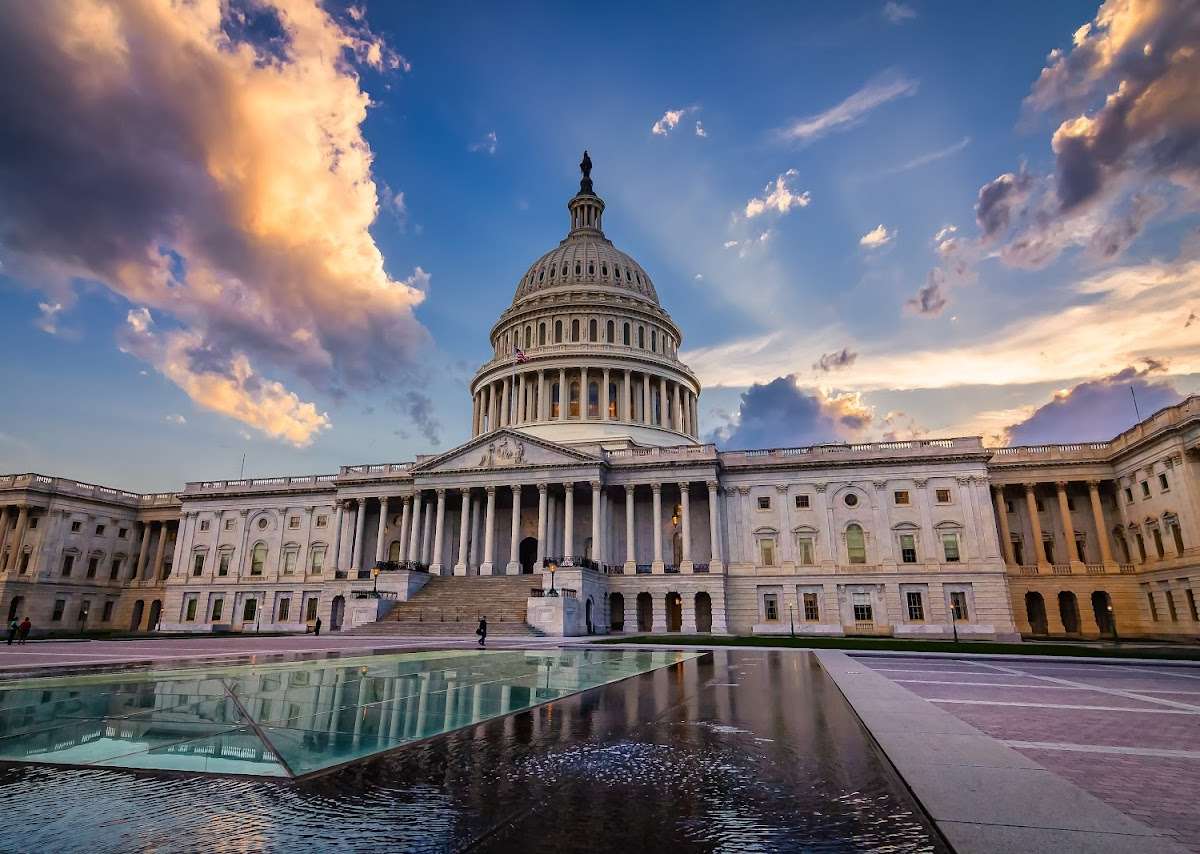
[[15, 607], [674, 612], [616, 612], [645, 612], [1035, 610], [337, 613], [703, 612], [135, 622], [155, 615], [1105, 617], [1068, 609], [527, 554]]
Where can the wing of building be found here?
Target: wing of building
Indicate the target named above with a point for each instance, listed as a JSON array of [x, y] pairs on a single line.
[[586, 501]]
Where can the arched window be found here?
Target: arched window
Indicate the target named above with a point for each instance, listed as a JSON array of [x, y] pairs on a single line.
[[574, 410], [856, 544], [654, 340], [552, 269], [258, 559], [610, 330], [612, 400], [541, 274], [604, 270], [626, 335], [541, 334], [575, 330], [591, 269], [528, 337], [592, 329], [593, 400], [642, 337], [554, 400], [558, 332], [578, 269]]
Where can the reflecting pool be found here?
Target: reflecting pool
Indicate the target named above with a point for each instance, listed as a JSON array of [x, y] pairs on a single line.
[[729, 751]]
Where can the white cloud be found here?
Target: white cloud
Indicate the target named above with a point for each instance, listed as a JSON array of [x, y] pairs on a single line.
[[877, 237], [700, 131], [897, 12], [729, 244], [850, 111], [670, 120], [698, 277], [778, 196], [176, 419], [487, 144], [931, 157], [48, 319]]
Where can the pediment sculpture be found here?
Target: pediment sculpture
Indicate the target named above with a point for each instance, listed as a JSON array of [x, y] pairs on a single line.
[[504, 453]]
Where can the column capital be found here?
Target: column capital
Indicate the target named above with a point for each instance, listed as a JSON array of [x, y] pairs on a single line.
[[595, 485], [629, 488], [998, 489], [569, 485], [439, 491], [490, 489], [407, 499], [712, 485], [656, 487], [879, 485], [1029, 486], [542, 487], [1093, 485], [921, 482], [1061, 485], [516, 488], [965, 480], [782, 488], [820, 487]]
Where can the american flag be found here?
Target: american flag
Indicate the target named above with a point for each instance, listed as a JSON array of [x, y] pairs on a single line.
[[519, 356]]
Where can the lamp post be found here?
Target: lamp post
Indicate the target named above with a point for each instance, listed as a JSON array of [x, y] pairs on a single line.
[[552, 568], [1112, 621], [792, 618], [375, 574]]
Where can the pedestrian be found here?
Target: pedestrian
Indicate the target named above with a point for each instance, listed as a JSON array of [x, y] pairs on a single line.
[[482, 631], [317, 627], [23, 632], [12, 630]]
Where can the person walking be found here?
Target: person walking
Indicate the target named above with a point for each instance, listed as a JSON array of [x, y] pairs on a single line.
[[23, 631], [317, 628], [482, 631], [13, 626]]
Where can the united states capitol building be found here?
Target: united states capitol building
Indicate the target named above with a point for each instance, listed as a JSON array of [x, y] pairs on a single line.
[[585, 458]]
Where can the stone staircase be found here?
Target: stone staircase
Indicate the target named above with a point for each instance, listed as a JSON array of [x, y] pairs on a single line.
[[451, 605]]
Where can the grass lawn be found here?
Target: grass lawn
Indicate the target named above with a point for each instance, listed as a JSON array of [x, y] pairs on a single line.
[[1183, 653]]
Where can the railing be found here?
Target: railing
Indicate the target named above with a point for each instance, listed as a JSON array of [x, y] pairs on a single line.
[[77, 487], [614, 569], [834, 450], [700, 568], [1095, 568], [644, 568], [1061, 569], [568, 592], [375, 469], [1028, 570], [264, 484], [1127, 568], [590, 348], [398, 565], [671, 568], [570, 561], [669, 452]]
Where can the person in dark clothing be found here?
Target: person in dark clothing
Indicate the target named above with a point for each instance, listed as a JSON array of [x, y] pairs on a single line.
[[482, 631], [13, 627], [317, 628], [23, 631]]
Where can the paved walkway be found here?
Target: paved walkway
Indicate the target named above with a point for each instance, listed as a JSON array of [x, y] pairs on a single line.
[[1128, 734]]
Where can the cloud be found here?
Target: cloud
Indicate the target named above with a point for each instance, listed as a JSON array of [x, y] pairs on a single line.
[[842, 358], [670, 120], [782, 414], [1096, 410], [206, 162], [487, 144], [700, 131], [48, 319], [419, 410], [778, 196], [852, 110], [931, 157], [225, 384], [898, 13], [877, 237], [177, 420]]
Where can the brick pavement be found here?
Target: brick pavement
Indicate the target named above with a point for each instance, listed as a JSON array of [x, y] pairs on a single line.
[[1143, 708]]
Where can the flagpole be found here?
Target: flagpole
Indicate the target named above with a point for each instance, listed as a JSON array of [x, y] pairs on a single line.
[[1135, 406]]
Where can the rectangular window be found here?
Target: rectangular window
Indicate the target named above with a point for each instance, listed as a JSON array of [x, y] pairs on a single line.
[[1048, 547], [114, 570], [1171, 606], [958, 605], [1191, 599], [1158, 543], [1008, 506], [76, 527], [863, 612], [258, 559], [916, 609], [190, 615], [203, 524], [942, 496], [1163, 483], [33, 522], [804, 551], [802, 502], [908, 548], [99, 530], [1141, 544], [1038, 503], [767, 552], [60, 605], [93, 566], [223, 564], [901, 496], [293, 522], [318, 560], [289, 562], [1128, 495], [68, 564], [1018, 553], [950, 547], [811, 612], [771, 607], [24, 562], [1177, 536], [229, 523], [322, 521], [1153, 605], [764, 502], [218, 605], [198, 564], [284, 606], [122, 532], [1079, 547], [1145, 489], [106, 612], [311, 612]]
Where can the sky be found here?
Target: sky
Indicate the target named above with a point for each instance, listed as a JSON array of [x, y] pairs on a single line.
[[271, 236]]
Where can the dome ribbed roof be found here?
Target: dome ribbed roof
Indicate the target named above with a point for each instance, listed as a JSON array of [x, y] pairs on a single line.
[[588, 261]]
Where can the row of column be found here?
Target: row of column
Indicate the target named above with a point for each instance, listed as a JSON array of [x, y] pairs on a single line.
[[14, 525], [14, 521], [1035, 524], [529, 396]]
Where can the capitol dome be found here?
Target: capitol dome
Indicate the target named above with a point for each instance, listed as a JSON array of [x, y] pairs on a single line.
[[586, 353]]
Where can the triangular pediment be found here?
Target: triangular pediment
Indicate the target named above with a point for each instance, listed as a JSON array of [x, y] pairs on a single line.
[[504, 449]]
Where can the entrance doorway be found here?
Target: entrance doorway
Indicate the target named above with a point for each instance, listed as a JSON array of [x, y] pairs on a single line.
[[616, 612], [15, 607], [674, 612], [703, 612], [527, 554], [1035, 610], [1105, 618], [135, 621], [155, 615], [337, 613], [645, 612], [1068, 609]]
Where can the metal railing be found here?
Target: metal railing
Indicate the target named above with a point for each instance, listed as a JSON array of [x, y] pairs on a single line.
[[671, 568], [644, 569], [398, 565], [700, 568]]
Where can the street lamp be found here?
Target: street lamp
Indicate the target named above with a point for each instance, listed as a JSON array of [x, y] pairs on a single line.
[[1112, 621], [552, 568], [375, 575], [792, 618]]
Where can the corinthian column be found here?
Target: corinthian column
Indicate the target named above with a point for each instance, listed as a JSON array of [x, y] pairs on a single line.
[[1035, 525], [1064, 511], [685, 532], [464, 528], [569, 520], [435, 565], [1098, 520], [489, 533], [714, 537], [514, 564], [656, 492], [414, 534], [541, 529], [630, 552], [1002, 520], [380, 555], [596, 550]]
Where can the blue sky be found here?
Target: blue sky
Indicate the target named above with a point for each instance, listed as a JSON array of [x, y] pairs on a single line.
[[864, 129]]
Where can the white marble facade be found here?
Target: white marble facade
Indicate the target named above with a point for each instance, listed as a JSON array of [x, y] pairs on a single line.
[[585, 451]]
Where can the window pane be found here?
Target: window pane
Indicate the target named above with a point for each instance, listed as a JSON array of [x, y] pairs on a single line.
[[856, 546], [950, 546]]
